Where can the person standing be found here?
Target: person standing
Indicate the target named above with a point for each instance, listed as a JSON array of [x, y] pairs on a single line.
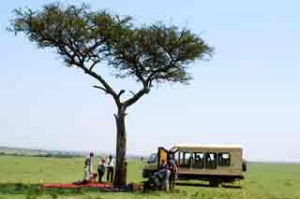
[[110, 169], [88, 170], [101, 170], [165, 173], [172, 167]]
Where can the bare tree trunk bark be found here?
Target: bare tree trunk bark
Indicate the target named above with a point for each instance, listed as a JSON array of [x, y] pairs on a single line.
[[120, 174]]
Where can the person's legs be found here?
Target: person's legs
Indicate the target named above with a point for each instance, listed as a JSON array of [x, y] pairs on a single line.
[[100, 175], [172, 181], [109, 174], [112, 174], [91, 175], [167, 186], [86, 174]]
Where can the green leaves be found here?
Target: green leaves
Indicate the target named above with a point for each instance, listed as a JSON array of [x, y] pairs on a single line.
[[153, 53], [156, 53]]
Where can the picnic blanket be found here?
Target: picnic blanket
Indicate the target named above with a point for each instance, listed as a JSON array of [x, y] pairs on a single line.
[[101, 186]]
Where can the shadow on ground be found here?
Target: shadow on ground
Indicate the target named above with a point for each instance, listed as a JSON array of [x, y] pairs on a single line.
[[208, 186], [34, 190], [37, 189]]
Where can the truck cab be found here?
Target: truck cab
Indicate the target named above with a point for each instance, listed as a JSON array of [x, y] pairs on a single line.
[[154, 161]]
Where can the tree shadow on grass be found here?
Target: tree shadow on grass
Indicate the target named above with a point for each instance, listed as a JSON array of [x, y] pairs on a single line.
[[37, 190], [190, 184]]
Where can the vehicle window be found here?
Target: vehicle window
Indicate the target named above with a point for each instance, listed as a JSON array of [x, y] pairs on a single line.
[[199, 160], [176, 156], [224, 159], [152, 158], [211, 160], [185, 159]]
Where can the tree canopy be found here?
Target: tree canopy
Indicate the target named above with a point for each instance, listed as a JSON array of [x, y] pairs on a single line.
[[153, 53]]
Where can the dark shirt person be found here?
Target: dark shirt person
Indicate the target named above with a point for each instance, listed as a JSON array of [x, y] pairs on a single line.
[[101, 170]]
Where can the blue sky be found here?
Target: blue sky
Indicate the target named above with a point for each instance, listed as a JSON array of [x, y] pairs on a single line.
[[248, 94]]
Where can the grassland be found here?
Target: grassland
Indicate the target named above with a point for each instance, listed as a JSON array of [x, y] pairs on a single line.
[[19, 176]]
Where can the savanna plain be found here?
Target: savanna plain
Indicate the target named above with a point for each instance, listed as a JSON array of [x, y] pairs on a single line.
[[21, 177]]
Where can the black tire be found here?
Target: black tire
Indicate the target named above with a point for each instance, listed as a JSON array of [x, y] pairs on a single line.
[[244, 166], [214, 183]]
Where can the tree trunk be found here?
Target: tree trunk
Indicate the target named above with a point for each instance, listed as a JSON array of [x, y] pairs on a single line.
[[120, 174]]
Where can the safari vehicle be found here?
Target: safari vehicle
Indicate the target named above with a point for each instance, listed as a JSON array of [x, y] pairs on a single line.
[[213, 163]]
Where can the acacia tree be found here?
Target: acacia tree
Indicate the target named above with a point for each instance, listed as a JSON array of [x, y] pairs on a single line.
[[86, 39]]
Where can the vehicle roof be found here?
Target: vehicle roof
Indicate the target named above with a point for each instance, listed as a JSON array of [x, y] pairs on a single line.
[[227, 146]]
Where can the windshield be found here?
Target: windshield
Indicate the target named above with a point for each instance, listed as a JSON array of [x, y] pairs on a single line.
[[152, 158]]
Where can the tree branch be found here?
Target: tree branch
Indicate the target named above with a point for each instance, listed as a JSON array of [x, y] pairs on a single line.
[[106, 87], [101, 88], [101, 80], [136, 96], [94, 64], [132, 93], [120, 93]]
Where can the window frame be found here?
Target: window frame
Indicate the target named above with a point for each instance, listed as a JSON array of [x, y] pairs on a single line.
[[195, 162], [185, 162], [214, 164], [227, 163]]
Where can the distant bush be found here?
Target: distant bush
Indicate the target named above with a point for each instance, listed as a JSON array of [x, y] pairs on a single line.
[[48, 155]]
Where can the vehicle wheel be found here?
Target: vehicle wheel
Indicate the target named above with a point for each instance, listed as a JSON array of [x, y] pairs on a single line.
[[244, 166], [214, 183]]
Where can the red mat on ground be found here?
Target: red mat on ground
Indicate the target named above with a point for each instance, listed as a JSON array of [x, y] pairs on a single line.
[[68, 186]]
